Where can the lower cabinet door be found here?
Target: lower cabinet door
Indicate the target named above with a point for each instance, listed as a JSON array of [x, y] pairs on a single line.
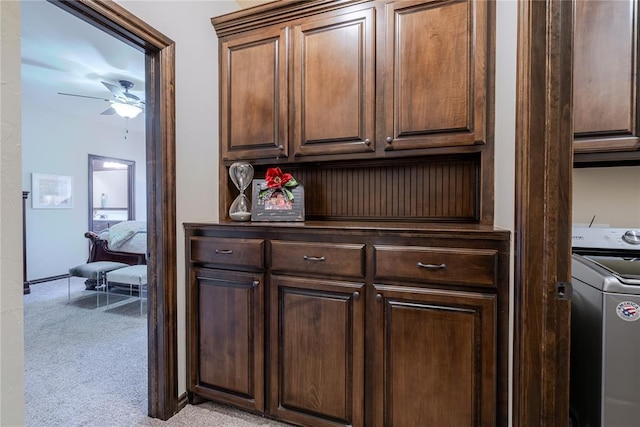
[[434, 357], [226, 341], [317, 351]]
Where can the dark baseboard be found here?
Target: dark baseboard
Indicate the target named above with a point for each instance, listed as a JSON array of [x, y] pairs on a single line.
[[182, 401], [47, 279]]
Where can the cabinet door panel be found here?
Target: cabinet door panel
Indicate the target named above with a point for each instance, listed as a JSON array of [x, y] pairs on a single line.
[[253, 94], [334, 85], [317, 351], [435, 356], [229, 341], [605, 76], [435, 83]]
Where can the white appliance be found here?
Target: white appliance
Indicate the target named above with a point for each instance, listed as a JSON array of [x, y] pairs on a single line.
[[605, 327]]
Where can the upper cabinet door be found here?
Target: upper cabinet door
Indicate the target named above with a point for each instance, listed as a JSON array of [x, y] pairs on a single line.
[[435, 77], [334, 84], [253, 94], [605, 81]]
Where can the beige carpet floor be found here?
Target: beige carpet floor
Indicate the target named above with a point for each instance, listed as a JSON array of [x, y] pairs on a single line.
[[87, 365]]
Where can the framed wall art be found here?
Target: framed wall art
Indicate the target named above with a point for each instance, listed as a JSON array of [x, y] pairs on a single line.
[[277, 198], [51, 191]]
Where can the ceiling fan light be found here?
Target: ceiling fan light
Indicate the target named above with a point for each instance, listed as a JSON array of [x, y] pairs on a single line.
[[126, 110]]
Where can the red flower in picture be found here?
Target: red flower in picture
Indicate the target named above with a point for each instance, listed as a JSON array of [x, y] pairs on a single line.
[[276, 181], [276, 178]]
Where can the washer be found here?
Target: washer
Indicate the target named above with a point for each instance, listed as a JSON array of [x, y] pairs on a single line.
[[605, 327]]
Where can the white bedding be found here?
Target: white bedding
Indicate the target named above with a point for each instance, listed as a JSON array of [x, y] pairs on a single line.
[[127, 236]]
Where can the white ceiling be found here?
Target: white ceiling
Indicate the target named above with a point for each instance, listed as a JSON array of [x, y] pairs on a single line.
[[62, 53]]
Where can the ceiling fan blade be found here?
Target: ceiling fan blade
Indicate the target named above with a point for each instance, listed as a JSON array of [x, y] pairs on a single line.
[[115, 90], [131, 98], [83, 96], [109, 111]]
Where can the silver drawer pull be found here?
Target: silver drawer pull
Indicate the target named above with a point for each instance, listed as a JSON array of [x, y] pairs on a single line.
[[314, 258], [224, 251], [432, 266]]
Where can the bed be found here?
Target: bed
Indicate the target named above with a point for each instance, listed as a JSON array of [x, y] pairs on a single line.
[[124, 242]]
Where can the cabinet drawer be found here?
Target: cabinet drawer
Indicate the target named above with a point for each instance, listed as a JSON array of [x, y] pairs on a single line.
[[441, 265], [322, 258], [235, 252]]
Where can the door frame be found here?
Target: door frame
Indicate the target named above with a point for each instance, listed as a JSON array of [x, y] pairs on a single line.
[[544, 160], [161, 200]]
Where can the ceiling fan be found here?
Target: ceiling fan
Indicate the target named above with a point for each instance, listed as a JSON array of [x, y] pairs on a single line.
[[123, 103]]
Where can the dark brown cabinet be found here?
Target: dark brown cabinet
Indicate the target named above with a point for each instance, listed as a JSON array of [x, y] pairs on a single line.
[[435, 74], [99, 226], [317, 351], [226, 318], [362, 98], [389, 305], [320, 325], [605, 80], [228, 345], [317, 332], [254, 95], [332, 109], [438, 345], [421, 67], [334, 84], [434, 357]]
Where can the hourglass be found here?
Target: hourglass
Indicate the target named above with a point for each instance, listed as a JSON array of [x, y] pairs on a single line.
[[241, 174]]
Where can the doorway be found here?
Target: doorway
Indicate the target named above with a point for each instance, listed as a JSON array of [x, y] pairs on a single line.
[[161, 212]]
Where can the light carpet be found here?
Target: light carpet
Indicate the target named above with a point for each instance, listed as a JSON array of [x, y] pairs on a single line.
[[87, 366]]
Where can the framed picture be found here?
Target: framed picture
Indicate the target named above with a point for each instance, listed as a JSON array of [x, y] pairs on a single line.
[[274, 205], [51, 191]]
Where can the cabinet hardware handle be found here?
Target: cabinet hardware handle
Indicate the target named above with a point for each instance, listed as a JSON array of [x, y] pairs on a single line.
[[356, 295], [378, 297], [432, 266], [367, 141], [280, 147], [224, 251], [255, 284], [314, 258], [389, 139]]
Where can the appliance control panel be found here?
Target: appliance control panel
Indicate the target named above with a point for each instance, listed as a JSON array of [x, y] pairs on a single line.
[[605, 238]]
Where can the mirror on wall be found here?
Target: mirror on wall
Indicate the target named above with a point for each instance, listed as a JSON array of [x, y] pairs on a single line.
[[110, 191]]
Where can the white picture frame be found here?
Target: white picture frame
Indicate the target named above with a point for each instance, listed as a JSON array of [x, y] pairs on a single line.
[[51, 191]]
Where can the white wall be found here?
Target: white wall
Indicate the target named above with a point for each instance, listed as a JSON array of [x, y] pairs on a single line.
[[11, 306], [58, 144], [505, 127], [611, 194], [505, 113], [110, 188], [188, 24]]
